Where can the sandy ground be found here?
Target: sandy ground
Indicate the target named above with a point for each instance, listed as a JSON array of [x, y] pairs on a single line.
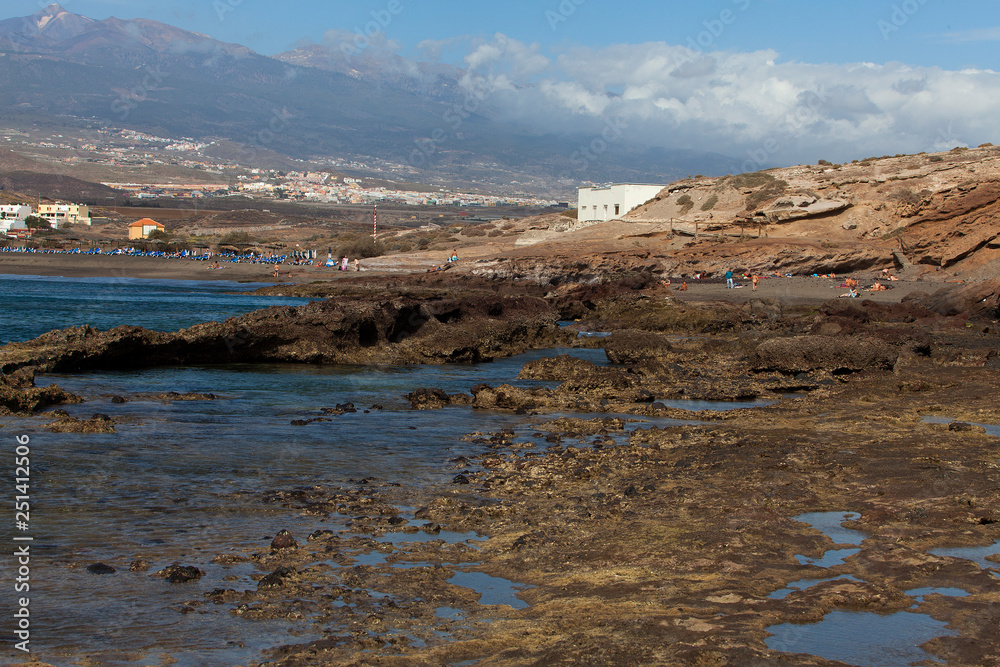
[[118, 266], [798, 289]]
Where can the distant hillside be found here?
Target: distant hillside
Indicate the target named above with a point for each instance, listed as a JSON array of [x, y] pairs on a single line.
[[11, 161], [152, 77], [56, 186]]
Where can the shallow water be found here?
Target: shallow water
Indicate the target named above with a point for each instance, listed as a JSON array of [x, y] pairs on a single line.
[[976, 554], [806, 584], [861, 638]]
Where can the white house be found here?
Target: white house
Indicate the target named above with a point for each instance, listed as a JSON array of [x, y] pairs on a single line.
[[11, 213], [613, 201]]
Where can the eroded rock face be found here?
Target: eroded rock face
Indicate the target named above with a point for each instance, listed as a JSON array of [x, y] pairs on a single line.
[[975, 301], [799, 207], [798, 354]]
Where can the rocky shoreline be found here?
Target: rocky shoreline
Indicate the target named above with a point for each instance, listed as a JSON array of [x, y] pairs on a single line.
[[640, 540]]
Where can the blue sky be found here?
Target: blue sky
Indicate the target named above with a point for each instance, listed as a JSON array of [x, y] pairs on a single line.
[[951, 34], [771, 82]]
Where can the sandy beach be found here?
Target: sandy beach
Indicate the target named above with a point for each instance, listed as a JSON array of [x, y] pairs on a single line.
[[790, 291]]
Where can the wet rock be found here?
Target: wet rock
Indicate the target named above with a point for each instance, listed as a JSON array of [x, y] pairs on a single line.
[[97, 424], [179, 574], [319, 535], [460, 479], [557, 368], [19, 396], [275, 579], [139, 565], [119, 399], [428, 399], [101, 568], [283, 540]]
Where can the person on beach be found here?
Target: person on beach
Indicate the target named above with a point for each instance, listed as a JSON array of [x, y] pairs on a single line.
[[357, 264], [683, 287], [275, 270], [343, 263], [729, 279], [753, 281]]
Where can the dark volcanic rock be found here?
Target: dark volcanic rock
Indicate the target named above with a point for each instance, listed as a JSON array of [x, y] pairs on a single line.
[[179, 574], [275, 579], [101, 568], [283, 540], [799, 354]]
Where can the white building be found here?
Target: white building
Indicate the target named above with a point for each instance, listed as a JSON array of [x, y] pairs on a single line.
[[11, 213], [613, 201]]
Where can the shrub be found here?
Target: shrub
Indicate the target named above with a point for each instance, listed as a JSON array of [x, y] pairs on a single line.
[[571, 213], [686, 203], [36, 222], [905, 196], [710, 203], [935, 158], [473, 231], [826, 163], [772, 190], [237, 238], [495, 233], [754, 179], [361, 247]]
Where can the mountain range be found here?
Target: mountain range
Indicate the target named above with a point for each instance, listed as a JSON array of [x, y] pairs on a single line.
[[65, 69]]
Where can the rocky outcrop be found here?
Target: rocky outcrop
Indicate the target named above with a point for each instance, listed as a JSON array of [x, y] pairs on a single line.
[[19, 395], [800, 207], [391, 331], [975, 301], [836, 354]]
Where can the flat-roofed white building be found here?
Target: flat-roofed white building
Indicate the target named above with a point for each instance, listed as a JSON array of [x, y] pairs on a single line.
[[59, 214], [613, 201], [11, 213]]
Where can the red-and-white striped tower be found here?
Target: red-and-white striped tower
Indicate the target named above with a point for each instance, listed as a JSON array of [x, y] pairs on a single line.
[[375, 223]]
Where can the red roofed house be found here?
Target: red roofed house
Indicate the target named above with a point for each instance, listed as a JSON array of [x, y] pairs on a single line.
[[141, 229]]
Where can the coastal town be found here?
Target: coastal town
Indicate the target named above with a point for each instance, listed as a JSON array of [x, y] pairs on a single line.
[[142, 166]]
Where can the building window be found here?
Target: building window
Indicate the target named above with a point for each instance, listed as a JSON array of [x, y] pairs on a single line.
[[617, 207]]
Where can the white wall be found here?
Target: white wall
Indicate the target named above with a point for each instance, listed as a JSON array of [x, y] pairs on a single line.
[[14, 211], [613, 202]]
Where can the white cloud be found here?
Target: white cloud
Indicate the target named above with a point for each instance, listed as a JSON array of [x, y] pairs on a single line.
[[734, 103], [979, 35]]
